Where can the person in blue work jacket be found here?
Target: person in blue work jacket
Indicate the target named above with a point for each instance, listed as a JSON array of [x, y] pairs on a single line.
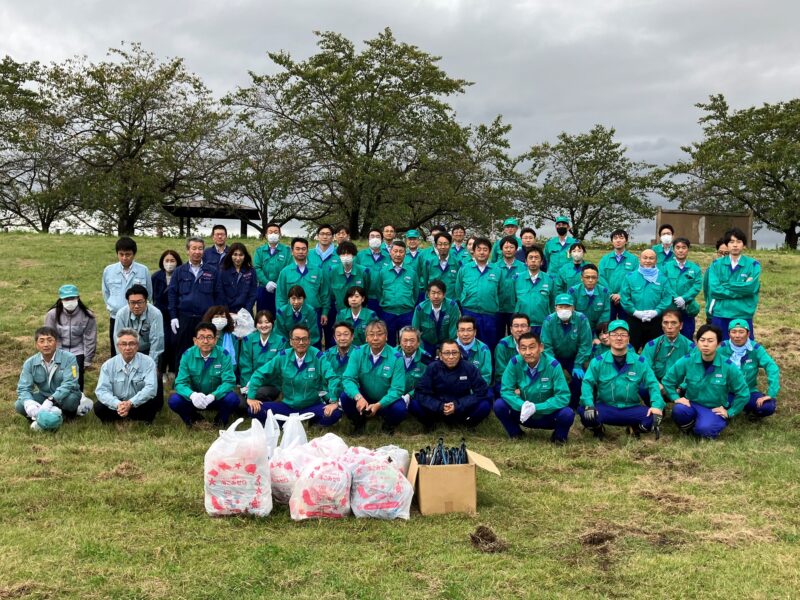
[[213, 255], [451, 391], [237, 280], [534, 392]]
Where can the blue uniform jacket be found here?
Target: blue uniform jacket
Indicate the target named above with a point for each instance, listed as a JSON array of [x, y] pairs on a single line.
[[463, 386], [190, 296], [236, 289]]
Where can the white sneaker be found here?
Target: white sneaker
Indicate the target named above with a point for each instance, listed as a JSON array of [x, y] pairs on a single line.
[[35, 426]]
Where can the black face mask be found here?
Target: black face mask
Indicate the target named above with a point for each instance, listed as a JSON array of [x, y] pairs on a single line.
[[561, 230]]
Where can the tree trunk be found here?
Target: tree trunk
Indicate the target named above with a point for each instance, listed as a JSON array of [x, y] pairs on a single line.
[[791, 236]]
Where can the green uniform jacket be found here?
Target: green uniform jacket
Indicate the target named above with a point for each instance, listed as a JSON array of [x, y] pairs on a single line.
[[339, 283], [62, 385], [661, 354], [734, 292], [505, 350], [383, 382], [686, 282], [301, 387], [432, 331], [752, 361], [338, 364], [639, 294], [497, 252], [709, 388], [535, 299], [315, 259], [373, 265], [415, 371], [556, 254], [612, 273], [432, 269], [605, 384], [399, 291], [213, 375], [479, 291], [359, 325], [269, 266], [569, 340], [312, 280], [547, 388], [508, 294], [253, 355], [596, 307], [481, 357], [569, 275], [661, 255], [415, 262], [285, 319]]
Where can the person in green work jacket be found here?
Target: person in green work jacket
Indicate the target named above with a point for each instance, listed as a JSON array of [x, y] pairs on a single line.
[[534, 392], [442, 265], [260, 347], [570, 272], [510, 228], [436, 318], [205, 380], [338, 356], [357, 315], [508, 347], [591, 299], [708, 389], [302, 376], [311, 278], [472, 349], [374, 381], [686, 279], [667, 349], [556, 249], [614, 267], [269, 261], [478, 291], [645, 295], [374, 259], [750, 357], [509, 268], [399, 287], [610, 390], [535, 290], [415, 360]]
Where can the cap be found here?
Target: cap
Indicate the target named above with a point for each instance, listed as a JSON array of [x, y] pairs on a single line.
[[562, 219], [618, 324], [510, 222], [739, 323], [412, 233], [565, 299], [68, 291]]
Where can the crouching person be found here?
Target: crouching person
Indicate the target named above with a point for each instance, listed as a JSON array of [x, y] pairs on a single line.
[[205, 380], [48, 386], [451, 390], [534, 392], [303, 376], [127, 387], [610, 390]]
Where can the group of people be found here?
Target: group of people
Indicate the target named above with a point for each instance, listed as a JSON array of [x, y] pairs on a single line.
[[448, 333]]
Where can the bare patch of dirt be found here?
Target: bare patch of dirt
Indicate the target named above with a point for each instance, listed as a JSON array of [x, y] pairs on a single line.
[[486, 540], [22, 590], [732, 529], [124, 470], [667, 501]]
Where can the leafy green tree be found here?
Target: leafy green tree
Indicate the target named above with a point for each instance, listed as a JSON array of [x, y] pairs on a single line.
[[747, 159], [589, 178]]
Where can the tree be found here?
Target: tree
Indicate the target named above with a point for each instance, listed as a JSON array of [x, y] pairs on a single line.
[[748, 159], [589, 178], [371, 135]]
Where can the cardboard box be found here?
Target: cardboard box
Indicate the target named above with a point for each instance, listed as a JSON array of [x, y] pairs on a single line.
[[444, 489]]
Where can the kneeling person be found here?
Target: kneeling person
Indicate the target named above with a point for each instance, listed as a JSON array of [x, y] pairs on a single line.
[[534, 392], [128, 383]]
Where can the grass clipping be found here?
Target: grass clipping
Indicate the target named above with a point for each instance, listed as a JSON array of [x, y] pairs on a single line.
[[486, 540]]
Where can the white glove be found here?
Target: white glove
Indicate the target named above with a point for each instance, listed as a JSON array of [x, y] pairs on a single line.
[[47, 405], [651, 314], [244, 390], [527, 411], [85, 406], [32, 408], [679, 302], [174, 325], [406, 398], [209, 400], [271, 286], [198, 400], [639, 314]]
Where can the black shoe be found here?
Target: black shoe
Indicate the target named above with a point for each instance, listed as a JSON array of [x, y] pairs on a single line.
[[599, 432], [633, 432], [557, 442], [387, 429], [359, 427]]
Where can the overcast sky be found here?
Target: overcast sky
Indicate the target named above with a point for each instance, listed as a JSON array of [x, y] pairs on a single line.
[[547, 65]]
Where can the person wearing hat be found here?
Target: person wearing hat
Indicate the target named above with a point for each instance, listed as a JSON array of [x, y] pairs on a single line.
[[510, 228], [567, 336], [534, 392], [478, 292], [556, 249], [76, 326], [645, 295], [591, 299], [750, 357], [48, 383], [535, 290], [610, 390], [414, 259], [708, 389], [614, 267]]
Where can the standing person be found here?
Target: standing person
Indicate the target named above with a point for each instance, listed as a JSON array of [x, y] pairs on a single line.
[[534, 393], [708, 390], [474, 350], [213, 255], [570, 273], [356, 314], [374, 381], [399, 286], [436, 318], [414, 255], [237, 281], [297, 312], [686, 280], [374, 259], [167, 263], [76, 326], [192, 290], [645, 295], [556, 249], [341, 277], [527, 241], [441, 265], [436, 231], [127, 387], [590, 299], [614, 268], [312, 279], [324, 253], [269, 261], [510, 268], [535, 290], [610, 390], [450, 390], [341, 234], [389, 234], [478, 292], [722, 250], [458, 249], [734, 283], [118, 279], [205, 380], [260, 347], [510, 228], [664, 250]]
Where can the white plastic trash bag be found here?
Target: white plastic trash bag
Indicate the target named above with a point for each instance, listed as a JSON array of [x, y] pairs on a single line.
[[272, 432], [294, 434], [398, 457], [380, 490], [285, 468], [321, 492], [237, 473], [243, 324], [354, 455], [329, 445]]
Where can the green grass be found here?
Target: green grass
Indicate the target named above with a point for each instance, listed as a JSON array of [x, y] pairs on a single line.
[[97, 512]]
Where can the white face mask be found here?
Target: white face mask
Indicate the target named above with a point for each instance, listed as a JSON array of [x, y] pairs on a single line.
[[577, 256], [666, 239], [69, 305], [564, 314], [169, 267], [347, 259], [220, 323], [374, 243], [273, 238]]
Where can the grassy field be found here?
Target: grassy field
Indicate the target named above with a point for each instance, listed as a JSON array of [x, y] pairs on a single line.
[[101, 512]]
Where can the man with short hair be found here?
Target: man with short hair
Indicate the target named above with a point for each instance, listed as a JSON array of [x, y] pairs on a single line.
[[374, 259], [441, 265], [338, 355], [686, 279], [311, 278], [127, 386], [436, 318], [119, 277], [665, 350], [590, 299], [556, 249], [213, 255], [721, 250], [389, 234], [341, 234], [269, 261], [478, 291], [614, 267], [664, 249], [508, 347], [472, 349], [345, 274], [415, 360], [458, 249], [324, 254], [399, 287], [535, 290]]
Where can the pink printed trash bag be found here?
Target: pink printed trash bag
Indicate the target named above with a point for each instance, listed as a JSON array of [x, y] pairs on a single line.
[[321, 492], [237, 473], [285, 468], [380, 490]]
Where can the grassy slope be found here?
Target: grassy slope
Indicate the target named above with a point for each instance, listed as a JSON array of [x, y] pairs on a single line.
[[94, 512]]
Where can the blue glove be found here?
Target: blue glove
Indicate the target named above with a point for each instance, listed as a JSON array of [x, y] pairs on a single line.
[[578, 373]]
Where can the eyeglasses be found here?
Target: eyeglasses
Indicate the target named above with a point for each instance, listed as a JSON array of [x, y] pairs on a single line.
[[449, 352], [301, 340], [619, 334], [205, 338], [137, 302]]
